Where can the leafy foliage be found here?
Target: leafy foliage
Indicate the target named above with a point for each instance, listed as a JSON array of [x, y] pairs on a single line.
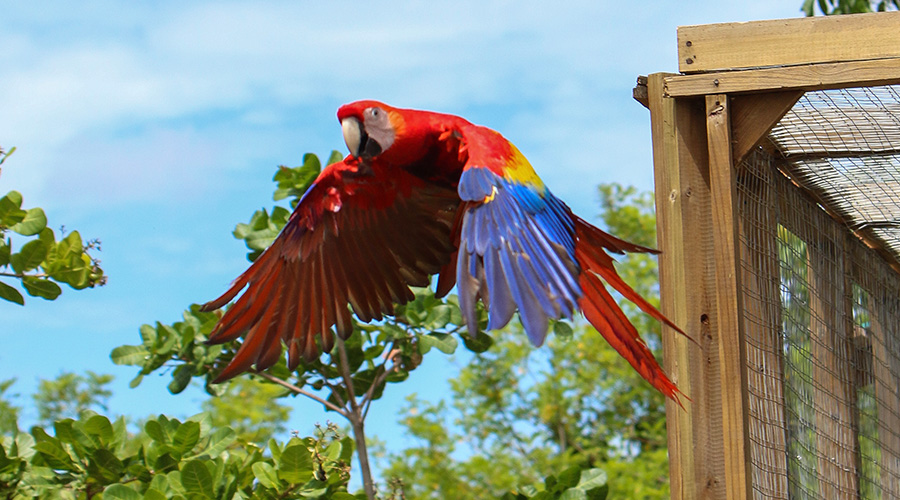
[[69, 395], [251, 407], [524, 413], [518, 413], [346, 380], [169, 459], [41, 263], [832, 7], [9, 411]]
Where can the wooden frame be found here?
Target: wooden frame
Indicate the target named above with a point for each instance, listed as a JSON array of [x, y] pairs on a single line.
[[737, 81]]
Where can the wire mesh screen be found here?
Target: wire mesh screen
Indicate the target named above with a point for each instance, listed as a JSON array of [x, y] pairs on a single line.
[[844, 147], [822, 330]]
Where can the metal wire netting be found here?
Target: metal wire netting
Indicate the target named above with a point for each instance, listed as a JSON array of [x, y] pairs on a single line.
[[821, 308], [844, 147]]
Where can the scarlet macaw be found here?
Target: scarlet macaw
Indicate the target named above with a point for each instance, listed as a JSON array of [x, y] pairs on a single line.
[[423, 193]]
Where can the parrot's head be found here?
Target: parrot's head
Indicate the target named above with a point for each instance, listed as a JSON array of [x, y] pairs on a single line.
[[375, 130], [369, 128]]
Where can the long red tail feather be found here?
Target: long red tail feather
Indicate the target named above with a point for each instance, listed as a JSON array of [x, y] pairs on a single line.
[[602, 311]]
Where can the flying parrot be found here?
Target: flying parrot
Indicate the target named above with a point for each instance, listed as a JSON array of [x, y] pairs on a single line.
[[425, 193]]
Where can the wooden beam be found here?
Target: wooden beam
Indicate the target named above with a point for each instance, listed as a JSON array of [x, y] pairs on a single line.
[[753, 115], [696, 464], [787, 42], [639, 93], [729, 318], [810, 77]]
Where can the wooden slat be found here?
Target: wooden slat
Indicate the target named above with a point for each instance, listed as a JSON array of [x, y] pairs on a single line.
[[810, 77], [696, 463], [786, 42], [753, 115], [639, 93], [729, 304]]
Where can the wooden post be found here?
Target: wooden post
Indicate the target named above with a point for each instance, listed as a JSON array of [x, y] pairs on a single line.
[[729, 304], [696, 463]]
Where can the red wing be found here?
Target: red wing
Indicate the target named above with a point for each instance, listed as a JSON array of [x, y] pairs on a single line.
[[360, 237]]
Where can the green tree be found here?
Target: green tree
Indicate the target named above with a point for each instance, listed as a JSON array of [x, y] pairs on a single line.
[[9, 411], [70, 394], [517, 414], [345, 381], [831, 7], [90, 455], [42, 262], [251, 407]]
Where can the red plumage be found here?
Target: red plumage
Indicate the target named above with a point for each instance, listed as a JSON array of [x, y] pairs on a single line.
[[424, 193]]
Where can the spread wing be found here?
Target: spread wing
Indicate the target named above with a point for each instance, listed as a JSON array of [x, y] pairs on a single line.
[[517, 246], [358, 236]]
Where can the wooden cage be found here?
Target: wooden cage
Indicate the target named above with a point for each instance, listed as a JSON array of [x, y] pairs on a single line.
[[777, 169]]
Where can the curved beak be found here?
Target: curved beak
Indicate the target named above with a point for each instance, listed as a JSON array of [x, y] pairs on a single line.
[[354, 135]]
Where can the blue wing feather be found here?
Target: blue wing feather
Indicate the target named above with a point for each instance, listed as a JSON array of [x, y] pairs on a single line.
[[517, 246]]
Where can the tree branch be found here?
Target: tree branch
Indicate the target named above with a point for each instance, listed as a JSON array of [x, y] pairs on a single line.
[[367, 399], [304, 392], [357, 421], [23, 275]]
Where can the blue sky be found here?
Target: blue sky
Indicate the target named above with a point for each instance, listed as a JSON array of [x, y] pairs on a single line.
[[156, 126]]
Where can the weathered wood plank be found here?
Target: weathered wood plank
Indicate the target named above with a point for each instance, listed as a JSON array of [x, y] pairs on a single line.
[[639, 92], [729, 304], [696, 462], [786, 42], [753, 115], [810, 77]]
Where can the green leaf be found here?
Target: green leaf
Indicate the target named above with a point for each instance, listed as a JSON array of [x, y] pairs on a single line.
[[33, 222], [129, 355], [41, 287], [54, 454], [11, 294], [563, 330], [343, 495], [569, 477], [10, 209], [154, 494], [592, 478], [444, 342], [219, 440], [196, 479], [30, 256], [156, 431], [148, 336], [101, 427], [481, 342], [106, 465], [186, 437], [266, 475], [334, 157], [573, 494], [295, 465], [5, 250], [119, 491], [181, 377]]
